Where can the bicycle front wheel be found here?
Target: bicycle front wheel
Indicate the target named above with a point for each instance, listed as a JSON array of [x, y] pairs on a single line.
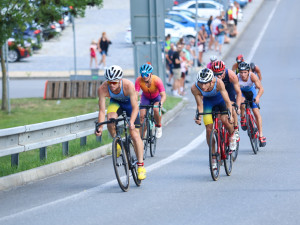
[[228, 161], [120, 163], [153, 140], [144, 136], [214, 156], [133, 163], [236, 152], [253, 134]]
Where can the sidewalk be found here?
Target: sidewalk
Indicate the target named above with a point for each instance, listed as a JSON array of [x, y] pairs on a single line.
[[248, 13]]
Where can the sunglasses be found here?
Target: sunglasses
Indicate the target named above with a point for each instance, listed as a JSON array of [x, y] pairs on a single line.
[[113, 82], [145, 74]]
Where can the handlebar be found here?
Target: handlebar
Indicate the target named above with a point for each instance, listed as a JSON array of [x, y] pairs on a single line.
[[113, 120], [152, 106], [214, 113], [249, 102]]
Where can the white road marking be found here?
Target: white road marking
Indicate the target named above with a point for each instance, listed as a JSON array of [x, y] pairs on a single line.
[[87, 193], [262, 33]]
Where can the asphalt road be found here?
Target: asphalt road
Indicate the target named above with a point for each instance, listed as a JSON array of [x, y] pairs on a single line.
[[263, 188]]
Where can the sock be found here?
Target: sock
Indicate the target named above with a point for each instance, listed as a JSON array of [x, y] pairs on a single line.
[[236, 127], [140, 164], [156, 125]]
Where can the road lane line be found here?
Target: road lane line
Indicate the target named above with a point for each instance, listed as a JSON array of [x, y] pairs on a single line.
[[87, 193], [262, 33]]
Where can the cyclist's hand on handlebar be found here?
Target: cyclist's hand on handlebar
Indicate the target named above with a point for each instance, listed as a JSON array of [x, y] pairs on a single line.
[[98, 131], [198, 120], [256, 100], [238, 111], [131, 125]]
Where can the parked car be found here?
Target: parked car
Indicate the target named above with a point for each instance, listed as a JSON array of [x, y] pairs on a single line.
[[185, 20], [51, 30], [17, 51], [206, 8], [176, 31]]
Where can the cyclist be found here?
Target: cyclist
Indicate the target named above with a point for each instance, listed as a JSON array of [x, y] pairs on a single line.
[[239, 59], [122, 98], [248, 82], [256, 70], [214, 96], [153, 92], [212, 59], [232, 87]]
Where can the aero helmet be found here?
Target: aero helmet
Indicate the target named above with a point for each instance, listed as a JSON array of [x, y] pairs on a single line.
[[240, 58], [244, 66], [113, 73], [218, 66], [146, 69], [213, 58], [205, 75]]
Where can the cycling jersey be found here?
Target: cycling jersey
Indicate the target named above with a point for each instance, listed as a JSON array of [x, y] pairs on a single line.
[[248, 89], [155, 88], [229, 87], [209, 65], [119, 103], [211, 100]]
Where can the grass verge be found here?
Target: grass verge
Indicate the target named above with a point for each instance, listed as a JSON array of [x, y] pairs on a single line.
[[32, 110]]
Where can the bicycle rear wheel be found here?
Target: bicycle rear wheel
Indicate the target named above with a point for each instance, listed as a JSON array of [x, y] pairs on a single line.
[[214, 157], [144, 136], [133, 163], [252, 132], [235, 153], [153, 140], [228, 162], [120, 164]]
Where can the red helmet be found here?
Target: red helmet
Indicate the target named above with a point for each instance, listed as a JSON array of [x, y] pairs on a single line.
[[218, 66], [240, 58]]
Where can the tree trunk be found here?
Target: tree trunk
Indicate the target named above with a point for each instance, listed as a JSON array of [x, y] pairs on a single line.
[[4, 105]]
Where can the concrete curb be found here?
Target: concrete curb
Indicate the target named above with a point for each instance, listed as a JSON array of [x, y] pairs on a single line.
[[62, 166]]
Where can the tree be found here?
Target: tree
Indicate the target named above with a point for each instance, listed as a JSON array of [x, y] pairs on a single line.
[[15, 13]]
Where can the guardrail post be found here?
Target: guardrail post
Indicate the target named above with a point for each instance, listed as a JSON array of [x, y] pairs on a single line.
[[99, 138], [65, 148], [43, 153], [83, 141], [14, 159]]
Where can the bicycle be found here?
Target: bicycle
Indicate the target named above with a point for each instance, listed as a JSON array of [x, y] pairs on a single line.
[[252, 129], [236, 152], [127, 159], [148, 133], [219, 145]]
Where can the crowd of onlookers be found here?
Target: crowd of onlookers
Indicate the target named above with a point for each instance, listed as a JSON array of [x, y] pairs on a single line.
[[186, 53]]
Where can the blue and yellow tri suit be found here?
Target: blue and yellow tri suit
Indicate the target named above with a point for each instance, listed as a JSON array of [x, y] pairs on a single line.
[[211, 100], [119, 103]]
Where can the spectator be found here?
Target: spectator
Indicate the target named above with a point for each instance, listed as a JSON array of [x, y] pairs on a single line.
[[189, 59], [183, 69], [210, 33], [169, 59], [103, 45], [235, 12], [222, 28], [93, 55], [201, 46], [177, 70], [215, 23], [168, 43]]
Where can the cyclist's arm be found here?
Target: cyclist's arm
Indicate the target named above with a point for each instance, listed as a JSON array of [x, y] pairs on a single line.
[[163, 97], [258, 85], [134, 103], [258, 72], [234, 67], [160, 86], [221, 88], [198, 98], [235, 81], [102, 93]]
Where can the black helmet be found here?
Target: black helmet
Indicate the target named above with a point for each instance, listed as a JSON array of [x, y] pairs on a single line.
[[244, 66]]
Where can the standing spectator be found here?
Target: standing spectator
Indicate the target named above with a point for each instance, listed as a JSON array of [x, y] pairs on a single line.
[[222, 28], [235, 12], [169, 59], [193, 51], [168, 43], [183, 68], [103, 45], [210, 33], [93, 55], [177, 70], [189, 59], [214, 26], [201, 46]]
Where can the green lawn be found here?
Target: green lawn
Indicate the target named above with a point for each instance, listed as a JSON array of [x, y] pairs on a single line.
[[36, 110]]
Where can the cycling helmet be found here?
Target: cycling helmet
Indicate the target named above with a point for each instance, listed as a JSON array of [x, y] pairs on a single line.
[[146, 69], [244, 66], [205, 76], [218, 66], [252, 66], [213, 58], [113, 73], [240, 58]]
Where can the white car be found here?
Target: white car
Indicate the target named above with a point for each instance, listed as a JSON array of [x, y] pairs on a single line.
[[206, 8], [176, 31]]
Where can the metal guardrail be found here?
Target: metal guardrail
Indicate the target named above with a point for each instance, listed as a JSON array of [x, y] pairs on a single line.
[[38, 136]]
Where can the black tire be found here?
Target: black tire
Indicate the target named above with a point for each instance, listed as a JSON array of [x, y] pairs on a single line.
[[144, 136], [213, 142], [228, 162], [13, 55], [252, 129], [133, 164], [153, 140], [120, 164], [236, 152]]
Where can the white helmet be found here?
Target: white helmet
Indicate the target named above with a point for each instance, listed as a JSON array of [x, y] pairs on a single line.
[[113, 73], [213, 58], [205, 75]]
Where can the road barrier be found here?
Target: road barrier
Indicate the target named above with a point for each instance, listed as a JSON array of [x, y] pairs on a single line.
[[71, 89], [39, 136]]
